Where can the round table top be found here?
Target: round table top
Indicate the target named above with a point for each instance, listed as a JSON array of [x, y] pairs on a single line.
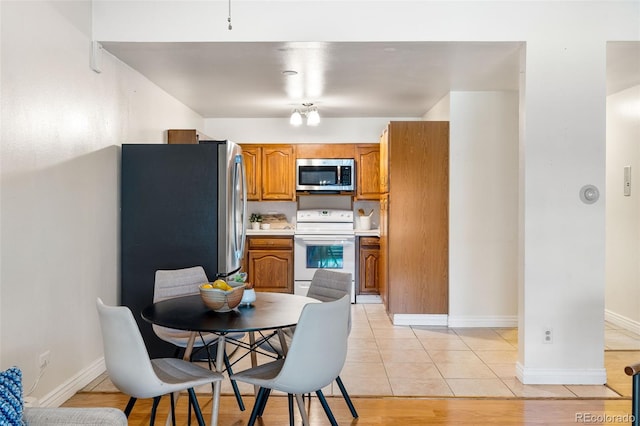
[[269, 311]]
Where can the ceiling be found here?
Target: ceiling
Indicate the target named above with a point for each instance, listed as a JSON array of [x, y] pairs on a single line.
[[343, 79]]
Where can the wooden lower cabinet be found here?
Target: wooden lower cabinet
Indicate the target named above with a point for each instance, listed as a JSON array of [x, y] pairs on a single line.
[[368, 265], [269, 263]]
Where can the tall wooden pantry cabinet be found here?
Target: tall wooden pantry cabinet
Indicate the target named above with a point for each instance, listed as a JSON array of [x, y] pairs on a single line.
[[414, 217]]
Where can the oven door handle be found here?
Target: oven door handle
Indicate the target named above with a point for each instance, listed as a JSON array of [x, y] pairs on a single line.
[[325, 240]]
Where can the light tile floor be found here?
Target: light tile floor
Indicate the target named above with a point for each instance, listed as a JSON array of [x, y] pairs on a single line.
[[388, 360]]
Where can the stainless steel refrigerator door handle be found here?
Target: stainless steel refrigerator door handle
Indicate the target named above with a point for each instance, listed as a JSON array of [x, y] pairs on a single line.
[[239, 178], [243, 175]]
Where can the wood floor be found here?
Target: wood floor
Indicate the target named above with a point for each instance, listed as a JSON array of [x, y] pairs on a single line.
[[390, 411], [432, 393]]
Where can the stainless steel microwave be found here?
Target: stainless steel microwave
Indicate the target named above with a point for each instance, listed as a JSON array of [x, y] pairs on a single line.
[[325, 174]]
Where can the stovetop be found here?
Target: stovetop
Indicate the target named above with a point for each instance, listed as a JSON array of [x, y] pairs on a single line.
[[321, 216]]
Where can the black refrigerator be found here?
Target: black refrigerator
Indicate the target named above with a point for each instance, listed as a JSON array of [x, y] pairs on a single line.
[[181, 206]]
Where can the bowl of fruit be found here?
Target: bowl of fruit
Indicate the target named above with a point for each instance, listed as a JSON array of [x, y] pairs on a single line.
[[221, 296]]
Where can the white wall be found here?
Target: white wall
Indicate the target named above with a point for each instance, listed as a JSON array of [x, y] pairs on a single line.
[[62, 125], [623, 213], [278, 130], [441, 111], [561, 148], [483, 209]]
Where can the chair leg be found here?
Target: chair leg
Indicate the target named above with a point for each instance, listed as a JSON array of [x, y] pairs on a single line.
[[227, 364], [327, 410], [154, 407], [196, 407], [256, 406], [189, 411], [173, 409], [234, 385], [290, 401], [130, 404], [303, 411], [209, 357], [263, 404], [345, 394]]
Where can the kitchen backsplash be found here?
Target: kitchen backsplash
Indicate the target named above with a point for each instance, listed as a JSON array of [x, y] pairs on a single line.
[[315, 201], [368, 206], [287, 208]]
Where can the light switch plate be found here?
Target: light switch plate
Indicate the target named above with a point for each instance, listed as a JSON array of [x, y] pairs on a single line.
[[627, 181]]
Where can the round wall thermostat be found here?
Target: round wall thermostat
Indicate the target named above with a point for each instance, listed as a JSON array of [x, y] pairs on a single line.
[[589, 194]]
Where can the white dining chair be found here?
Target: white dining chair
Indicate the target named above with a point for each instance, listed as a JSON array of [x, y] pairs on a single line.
[[135, 374], [325, 286], [171, 283], [315, 358]]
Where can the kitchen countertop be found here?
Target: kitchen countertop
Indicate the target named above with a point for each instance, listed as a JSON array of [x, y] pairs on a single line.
[[291, 232], [267, 232], [367, 233]]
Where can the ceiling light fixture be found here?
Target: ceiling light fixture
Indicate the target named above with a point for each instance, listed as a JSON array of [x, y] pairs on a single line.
[[296, 118], [313, 118], [309, 111]]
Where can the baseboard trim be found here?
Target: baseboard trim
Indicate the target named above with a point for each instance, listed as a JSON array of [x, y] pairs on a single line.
[[66, 390], [622, 321], [420, 319], [506, 321], [551, 376], [453, 322], [368, 299]]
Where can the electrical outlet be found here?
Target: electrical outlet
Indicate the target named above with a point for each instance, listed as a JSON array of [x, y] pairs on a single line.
[[44, 358], [548, 335], [30, 401]]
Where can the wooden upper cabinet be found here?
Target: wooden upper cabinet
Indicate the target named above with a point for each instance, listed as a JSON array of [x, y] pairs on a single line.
[[368, 172], [278, 172], [384, 162], [270, 172], [325, 150], [253, 168]]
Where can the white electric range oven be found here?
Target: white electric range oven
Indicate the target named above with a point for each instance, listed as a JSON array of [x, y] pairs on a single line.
[[324, 239]]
